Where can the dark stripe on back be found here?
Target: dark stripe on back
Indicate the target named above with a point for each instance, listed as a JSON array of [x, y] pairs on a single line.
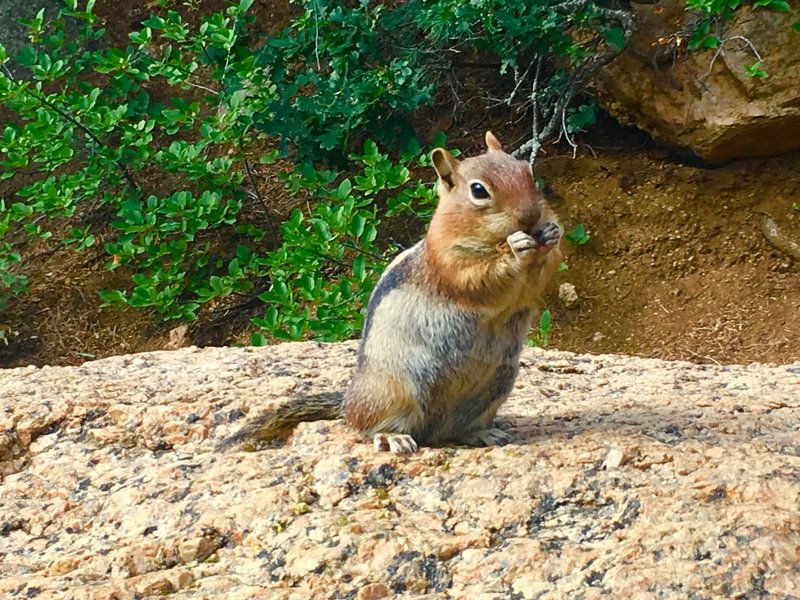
[[390, 280]]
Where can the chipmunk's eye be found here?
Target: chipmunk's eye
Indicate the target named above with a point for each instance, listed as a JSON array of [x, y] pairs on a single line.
[[478, 191]]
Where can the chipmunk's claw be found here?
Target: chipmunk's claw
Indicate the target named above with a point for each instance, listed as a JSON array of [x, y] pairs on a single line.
[[399, 443], [548, 235], [521, 243]]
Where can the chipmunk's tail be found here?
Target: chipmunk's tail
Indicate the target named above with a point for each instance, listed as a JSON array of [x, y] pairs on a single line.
[[279, 422]]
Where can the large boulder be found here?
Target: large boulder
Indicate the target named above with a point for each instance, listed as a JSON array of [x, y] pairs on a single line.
[[705, 105], [629, 478]]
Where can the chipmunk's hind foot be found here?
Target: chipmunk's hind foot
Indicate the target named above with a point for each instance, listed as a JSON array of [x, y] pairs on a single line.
[[399, 443], [486, 437]]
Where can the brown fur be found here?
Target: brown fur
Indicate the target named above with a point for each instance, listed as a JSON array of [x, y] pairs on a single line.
[[462, 259], [395, 399], [465, 274], [448, 318]]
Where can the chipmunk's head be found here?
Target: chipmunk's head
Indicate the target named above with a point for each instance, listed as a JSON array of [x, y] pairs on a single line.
[[487, 197]]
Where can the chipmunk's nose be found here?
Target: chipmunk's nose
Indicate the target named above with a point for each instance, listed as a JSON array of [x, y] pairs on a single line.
[[528, 216]]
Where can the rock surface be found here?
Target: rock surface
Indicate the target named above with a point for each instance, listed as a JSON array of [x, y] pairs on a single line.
[[709, 106], [629, 478]]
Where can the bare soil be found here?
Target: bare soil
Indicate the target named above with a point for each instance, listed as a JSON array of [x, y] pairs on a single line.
[[676, 267]]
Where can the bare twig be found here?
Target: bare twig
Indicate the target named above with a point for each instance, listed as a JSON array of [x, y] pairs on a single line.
[[202, 87], [316, 35], [565, 132], [549, 107], [721, 52], [273, 233], [475, 65], [778, 238], [534, 144], [519, 79]]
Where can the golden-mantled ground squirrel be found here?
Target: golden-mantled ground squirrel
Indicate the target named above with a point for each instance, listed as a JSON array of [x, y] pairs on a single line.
[[448, 318]]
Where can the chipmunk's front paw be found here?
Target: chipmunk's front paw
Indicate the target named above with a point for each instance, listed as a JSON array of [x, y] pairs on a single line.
[[547, 236], [399, 443], [521, 243]]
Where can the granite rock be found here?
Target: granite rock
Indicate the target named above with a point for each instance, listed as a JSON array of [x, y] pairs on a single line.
[[704, 103], [628, 478]]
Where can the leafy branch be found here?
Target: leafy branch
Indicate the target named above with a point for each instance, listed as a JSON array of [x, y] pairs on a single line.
[[548, 105], [43, 101]]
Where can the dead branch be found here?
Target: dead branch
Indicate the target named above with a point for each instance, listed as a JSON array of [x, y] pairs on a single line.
[[549, 108], [779, 239]]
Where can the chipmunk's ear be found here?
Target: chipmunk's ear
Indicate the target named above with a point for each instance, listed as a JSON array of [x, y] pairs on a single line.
[[445, 166], [492, 143]]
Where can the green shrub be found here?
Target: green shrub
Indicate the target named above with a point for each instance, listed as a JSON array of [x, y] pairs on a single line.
[[172, 175], [546, 50], [336, 71], [578, 236], [164, 183], [541, 337], [169, 173], [705, 35], [324, 271]]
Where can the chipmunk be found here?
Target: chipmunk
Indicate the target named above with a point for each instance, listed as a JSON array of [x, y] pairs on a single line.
[[448, 318]]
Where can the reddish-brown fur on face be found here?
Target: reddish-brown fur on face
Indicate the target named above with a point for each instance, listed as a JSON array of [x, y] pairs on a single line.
[[463, 247]]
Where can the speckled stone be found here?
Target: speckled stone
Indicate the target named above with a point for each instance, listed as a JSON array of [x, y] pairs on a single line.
[[628, 478]]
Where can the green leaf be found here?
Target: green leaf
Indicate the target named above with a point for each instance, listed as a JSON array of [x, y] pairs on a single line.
[[357, 225], [776, 5], [112, 297], [545, 321], [307, 283], [142, 37], [27, 57], [439, 139], [360, 267], [344, 189], [217, 284], [154, 22], [370, 149], [755, 70], [330, 139], [615, 36], [189, 311], [243, 253], [323, 229], [578, 235], [370, 233]]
